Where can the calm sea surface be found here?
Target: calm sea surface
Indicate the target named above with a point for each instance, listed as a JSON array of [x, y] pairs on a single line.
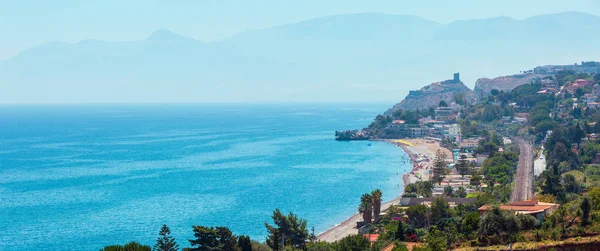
[[79, 177]]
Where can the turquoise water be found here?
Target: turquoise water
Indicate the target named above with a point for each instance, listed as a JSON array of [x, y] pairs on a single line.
[[79, 177]]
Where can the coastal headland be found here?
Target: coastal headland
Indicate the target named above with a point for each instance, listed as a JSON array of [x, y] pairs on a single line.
[[421, 152]]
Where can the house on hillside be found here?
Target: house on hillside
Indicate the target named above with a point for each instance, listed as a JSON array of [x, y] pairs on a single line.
[[596, 90], [587, 98], [579, 83], [521, 117], [470, 143], [445, 113], [593, 105], [451, 131], [534, 208]]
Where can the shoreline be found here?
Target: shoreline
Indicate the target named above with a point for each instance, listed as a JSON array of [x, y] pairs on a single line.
[[420, 147]]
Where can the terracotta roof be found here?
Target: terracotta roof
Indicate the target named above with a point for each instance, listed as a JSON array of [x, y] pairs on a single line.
[[372, 237], [526, 207]]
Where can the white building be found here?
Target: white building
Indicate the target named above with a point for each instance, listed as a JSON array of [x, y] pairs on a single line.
[[451, 131]]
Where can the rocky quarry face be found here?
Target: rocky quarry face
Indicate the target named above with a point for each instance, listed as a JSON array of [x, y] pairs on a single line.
[[484, 86]]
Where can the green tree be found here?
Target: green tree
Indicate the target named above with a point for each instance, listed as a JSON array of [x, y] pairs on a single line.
[[436, 240], [400, 231], [571, 184], [585, 211], [399, 246], [448, 191], [552, 183], [440, 210], [461, 192], [132, 246], [291, 228], [470, 223], [376, 196], [419, 216], [366, 207], [245, 243], [462, 166], [213, 239], [352, 243], [443, 103], [460, 98], [594, 195], [566, 215], [579, 92], [165, 241], [425, 188], [475, 180], [440, 166]]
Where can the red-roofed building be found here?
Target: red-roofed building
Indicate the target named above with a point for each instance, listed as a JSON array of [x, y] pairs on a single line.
[[534, 208], [372, 237], [579, 83], [582, 82]]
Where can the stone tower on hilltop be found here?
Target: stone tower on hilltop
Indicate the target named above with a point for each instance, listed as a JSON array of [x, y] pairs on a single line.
[[457, 77]]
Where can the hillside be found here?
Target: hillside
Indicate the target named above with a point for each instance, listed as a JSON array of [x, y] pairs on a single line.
[[484, 86], [431, 95]]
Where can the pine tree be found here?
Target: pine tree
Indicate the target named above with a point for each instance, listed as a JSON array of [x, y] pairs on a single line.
[[213, 238], [440, 167], [462, 166], [585, 209], [400, 231], [245, 243], [165, 241]]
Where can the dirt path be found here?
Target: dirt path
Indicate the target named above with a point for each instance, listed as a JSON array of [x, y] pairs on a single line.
[[523, 180]]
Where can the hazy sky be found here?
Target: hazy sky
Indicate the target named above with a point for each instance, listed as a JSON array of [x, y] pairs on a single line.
[[26, 23]]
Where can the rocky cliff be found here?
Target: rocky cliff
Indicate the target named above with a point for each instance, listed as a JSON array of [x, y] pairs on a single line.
[[431, 95], [484, 86]]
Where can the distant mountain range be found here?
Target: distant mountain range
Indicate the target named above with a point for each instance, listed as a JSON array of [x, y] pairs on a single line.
[[353, 57]]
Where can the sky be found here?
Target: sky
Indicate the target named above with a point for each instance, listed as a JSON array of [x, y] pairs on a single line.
[[27, 23]]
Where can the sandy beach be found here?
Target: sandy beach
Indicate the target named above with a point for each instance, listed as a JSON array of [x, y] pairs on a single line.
[[412, 147]]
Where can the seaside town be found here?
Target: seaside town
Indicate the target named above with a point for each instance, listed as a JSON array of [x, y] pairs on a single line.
[[512, 165], [496, 168], [300, 125]]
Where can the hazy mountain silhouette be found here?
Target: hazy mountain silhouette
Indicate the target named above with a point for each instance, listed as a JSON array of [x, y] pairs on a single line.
[[353, 57]]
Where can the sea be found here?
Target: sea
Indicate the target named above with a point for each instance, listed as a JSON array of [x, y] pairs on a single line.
[[79, 177]]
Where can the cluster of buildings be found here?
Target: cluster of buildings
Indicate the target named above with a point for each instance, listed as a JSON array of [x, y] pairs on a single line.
[[442, 126]]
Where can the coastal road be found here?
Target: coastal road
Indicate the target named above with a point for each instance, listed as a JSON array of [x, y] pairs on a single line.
[[539, 165], [523, 180]]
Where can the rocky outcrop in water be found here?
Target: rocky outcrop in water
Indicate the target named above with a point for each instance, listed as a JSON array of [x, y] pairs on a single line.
[[351, 135]]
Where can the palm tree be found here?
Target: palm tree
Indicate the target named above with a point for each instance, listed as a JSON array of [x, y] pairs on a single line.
[[366, 208], [376, 194], [448, 191]]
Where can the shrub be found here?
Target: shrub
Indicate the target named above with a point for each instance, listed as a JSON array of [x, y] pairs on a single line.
[[528, 222]]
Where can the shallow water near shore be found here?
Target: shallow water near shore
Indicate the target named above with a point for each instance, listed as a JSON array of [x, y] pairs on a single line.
[[79, 177]]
